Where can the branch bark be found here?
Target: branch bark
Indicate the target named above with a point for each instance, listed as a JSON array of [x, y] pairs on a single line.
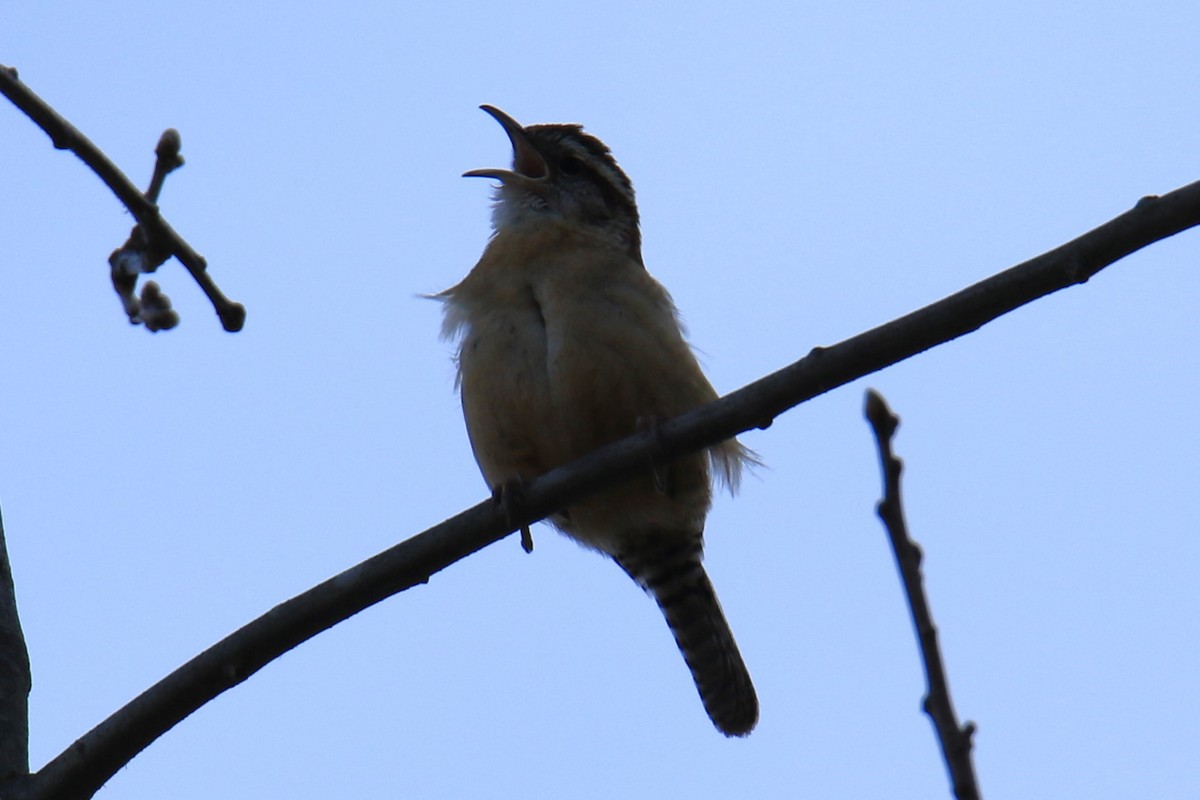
[[955, 739], [15, 681]]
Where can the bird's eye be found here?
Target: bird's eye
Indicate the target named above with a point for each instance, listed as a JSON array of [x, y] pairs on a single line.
[[570, 165]]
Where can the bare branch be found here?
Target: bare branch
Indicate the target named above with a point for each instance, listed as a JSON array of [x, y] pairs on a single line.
[[153, 234], [955, 739], [87, 764], [15, 681]]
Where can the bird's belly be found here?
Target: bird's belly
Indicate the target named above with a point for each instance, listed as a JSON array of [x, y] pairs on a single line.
[[506, 396]]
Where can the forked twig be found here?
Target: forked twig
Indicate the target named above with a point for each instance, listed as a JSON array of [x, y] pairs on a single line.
[[153, 240]]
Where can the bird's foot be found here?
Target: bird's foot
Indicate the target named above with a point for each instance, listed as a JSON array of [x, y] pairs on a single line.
[[510, 497], [648, 426]]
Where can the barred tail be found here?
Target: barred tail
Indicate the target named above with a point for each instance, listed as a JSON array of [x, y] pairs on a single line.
[[674, 576]]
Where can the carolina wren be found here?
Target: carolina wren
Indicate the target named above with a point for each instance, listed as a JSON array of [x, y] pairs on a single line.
[[565, 344]]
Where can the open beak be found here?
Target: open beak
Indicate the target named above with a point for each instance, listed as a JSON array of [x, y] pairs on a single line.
[[528, 164]]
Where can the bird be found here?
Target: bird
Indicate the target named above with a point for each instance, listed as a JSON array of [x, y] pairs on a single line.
[[566, 343]]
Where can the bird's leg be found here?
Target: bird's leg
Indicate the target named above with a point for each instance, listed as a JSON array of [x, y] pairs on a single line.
[[648, 426], [509, 496]]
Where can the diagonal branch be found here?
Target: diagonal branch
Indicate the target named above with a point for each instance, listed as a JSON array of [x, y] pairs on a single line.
[[162, 238], [955, 739], [88, 763]]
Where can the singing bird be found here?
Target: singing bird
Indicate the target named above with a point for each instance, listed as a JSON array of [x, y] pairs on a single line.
[[566, 343]]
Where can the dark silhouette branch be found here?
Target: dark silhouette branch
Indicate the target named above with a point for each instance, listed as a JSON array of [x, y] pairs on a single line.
[[87, 764], [153, 240], [955, 739], [15, 680]]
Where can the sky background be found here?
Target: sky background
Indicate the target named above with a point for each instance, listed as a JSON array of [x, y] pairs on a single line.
[[804, 172]]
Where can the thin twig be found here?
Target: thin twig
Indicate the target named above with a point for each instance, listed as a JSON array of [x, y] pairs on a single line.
[[79, 771], [160, 236], [955, 739]]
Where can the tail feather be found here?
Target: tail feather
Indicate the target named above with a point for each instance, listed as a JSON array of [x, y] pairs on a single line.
[[674, 576]]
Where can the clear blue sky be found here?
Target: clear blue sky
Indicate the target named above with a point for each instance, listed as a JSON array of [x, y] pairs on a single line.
[[805, 171]]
